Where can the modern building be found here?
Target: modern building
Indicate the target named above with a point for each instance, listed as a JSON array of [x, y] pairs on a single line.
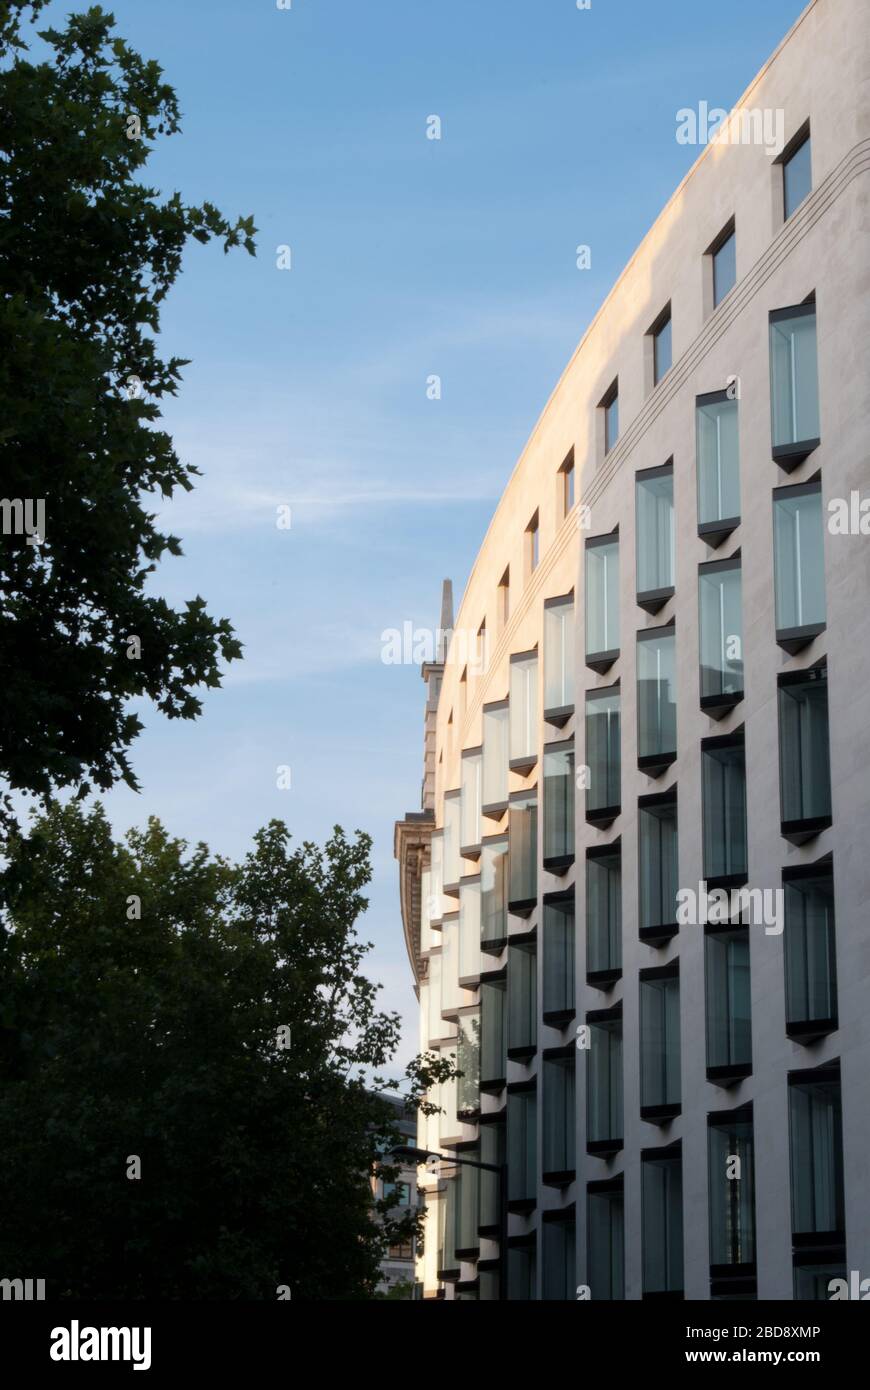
[[636, 896]]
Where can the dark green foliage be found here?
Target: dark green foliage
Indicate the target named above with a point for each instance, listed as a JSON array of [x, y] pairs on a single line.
[[158, 1037]]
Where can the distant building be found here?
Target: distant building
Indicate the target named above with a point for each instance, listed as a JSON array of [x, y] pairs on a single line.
[[397, 1267]]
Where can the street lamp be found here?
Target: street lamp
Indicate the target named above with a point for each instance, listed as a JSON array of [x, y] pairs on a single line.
[[410, 1154]]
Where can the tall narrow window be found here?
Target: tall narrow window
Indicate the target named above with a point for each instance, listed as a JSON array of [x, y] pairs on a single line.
[[492, 1150], [723, 258], [493, 893], [566, 484], [656, 699], [452, 862], [559, 957], [729, 1009], [604, 915], [605, 1240], [493, 1031], [794, 389], [654, 489], [720, 621], [810, 952], [558, 1117], [522, 999], [559, 806], [452, 997], [559, 659], [469, 931], [523, 858], [816, 1144], [662, 345], [657, 866], [797, 175], [522, 1269], [731, 1175], [604, 1110], [504, 599], [522, 1121], [602, 601], [467, 1209], [471, 801], [659, 1043], [603, 756], [532, 545], [804, 754], [558, 1277], [496, 719], [717, 454], [723, 781], [468, 1062], [799, 564], [662, 1221], [448, 1262], [524, 711], [610, 410]]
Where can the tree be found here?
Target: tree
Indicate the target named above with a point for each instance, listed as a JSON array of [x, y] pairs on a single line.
[[187, 1046], [88, 254]]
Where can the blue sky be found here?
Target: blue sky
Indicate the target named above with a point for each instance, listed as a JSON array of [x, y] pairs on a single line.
[[410, 257]]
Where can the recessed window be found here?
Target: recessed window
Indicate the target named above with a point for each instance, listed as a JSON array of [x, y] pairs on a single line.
[[532, 545], [794, 389], [656, 699], [496, 719], [797, 175], [493, 1033], [559, 659], [729, 1011], [522, 1271], [559, 806], [609, 408], [654, 510], [723, 803], [559, 957], [522, 1126], [723, 258], [493, 894], [602, 601], [452, 808], [658, 867], [468, 1062], [810, 952], [816, 1145], [603, 758], [470, 801], [558, 1118], [799, 564], [604, 1107], [659, 1044], [720, 621], [469, 935], [566, 484], [558, 1281], [661, 1184], [492, 1150], [522, 999], [717, 454], [662, 346], [524, 710], [604, 915], [804, 754], [468, 1209], [605, 1240], [731, 1177], [504, 599], [523, 858]]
